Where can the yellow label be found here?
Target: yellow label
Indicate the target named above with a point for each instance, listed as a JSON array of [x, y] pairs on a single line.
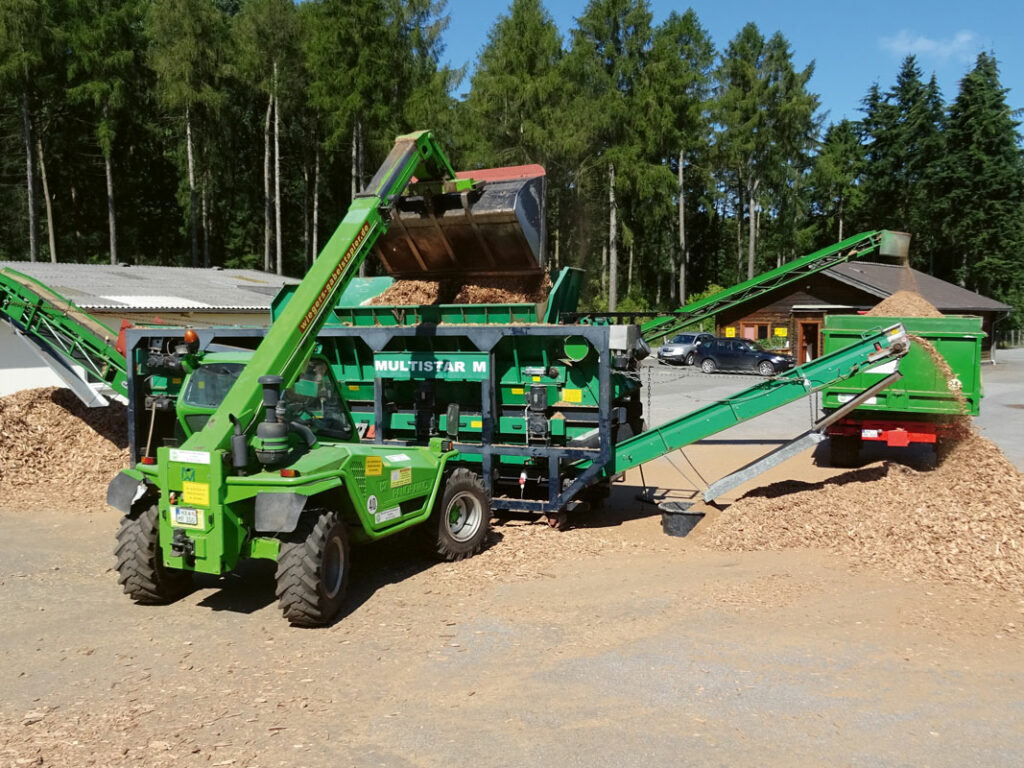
[[783, 332], [353, 387], [730, 332], [374, 466], [400, 477], [536, 378], [175, 381], [196, 493], [476, 424], [572, 395], [517, 391]]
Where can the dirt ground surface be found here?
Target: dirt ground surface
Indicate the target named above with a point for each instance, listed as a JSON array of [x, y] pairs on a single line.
[[610, 644]]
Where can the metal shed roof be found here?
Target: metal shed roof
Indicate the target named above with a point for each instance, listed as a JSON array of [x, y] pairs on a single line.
[[883, 280], [108, 287]]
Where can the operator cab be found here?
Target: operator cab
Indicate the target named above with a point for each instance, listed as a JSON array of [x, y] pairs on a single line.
[[312, 400]]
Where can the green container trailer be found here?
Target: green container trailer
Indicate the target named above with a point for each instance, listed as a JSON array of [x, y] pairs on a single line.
[[925, 404]]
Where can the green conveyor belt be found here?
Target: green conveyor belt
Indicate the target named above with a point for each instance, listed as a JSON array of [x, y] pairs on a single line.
[[885, 242], [872, 349]]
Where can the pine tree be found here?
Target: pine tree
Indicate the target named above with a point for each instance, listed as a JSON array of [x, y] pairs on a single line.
[[982, 183], [834, 180]]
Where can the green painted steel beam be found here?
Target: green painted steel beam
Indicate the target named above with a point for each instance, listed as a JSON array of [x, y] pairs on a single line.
[[885, 242], [872, 349]]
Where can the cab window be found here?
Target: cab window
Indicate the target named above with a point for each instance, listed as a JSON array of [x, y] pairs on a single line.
[[314, 401]]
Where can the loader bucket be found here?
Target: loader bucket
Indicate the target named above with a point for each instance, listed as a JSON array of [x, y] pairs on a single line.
[[496, 228]]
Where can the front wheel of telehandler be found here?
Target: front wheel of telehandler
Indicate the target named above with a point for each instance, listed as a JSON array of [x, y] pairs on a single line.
[[140, 564], [458, 527], [312, 569]]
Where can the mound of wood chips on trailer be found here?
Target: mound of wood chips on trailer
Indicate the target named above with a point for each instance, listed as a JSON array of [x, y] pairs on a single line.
[[527, 289], [961, 522], [56, 452]]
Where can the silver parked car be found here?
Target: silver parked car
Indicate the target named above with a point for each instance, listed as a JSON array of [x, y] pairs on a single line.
[[682, 349]]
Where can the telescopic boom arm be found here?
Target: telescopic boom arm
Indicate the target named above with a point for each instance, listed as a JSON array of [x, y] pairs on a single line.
[[290, 341]]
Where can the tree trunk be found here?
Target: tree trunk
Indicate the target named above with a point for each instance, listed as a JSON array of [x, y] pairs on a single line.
[[111, 218], [306, 258], [752, 228], [840, 218], [30, 176], [613, 256], [557, 243], [684, 257], [192, 201], [604, 270], [629, 270], [316, 203], [277, 177], [206, 224], [267, 236], [49, 205]]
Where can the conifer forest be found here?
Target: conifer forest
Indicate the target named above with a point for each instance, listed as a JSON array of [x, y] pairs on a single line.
[[235, 132]]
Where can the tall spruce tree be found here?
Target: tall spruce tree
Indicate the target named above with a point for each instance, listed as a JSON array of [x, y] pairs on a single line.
[[982, 185], [834, 180]]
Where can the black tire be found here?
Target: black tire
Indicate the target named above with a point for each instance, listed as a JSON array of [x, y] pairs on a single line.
[[140, 564], [690, 358], [765, 368], [708, 365], [312, 569], [844, 450], [458, 527]]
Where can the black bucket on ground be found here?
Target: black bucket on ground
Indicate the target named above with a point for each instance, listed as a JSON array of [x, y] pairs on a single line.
[[676, 518]]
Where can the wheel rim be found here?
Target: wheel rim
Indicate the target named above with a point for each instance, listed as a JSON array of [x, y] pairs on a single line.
[[464, 514], [333, 567], [707, 366], [766, 369], [690, 358]]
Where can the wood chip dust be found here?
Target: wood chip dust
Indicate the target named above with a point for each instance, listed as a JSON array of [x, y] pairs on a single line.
[[528, 289], [56, 452]]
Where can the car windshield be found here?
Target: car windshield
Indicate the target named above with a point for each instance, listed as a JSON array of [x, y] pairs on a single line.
[[683, 338]]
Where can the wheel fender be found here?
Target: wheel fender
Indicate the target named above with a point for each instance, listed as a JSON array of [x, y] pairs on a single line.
[[124, 490], [279, 512]]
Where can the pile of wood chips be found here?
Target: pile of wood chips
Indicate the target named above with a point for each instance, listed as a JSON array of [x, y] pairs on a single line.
[[527, 289], [904, 304], [57, 453], [962, 522]]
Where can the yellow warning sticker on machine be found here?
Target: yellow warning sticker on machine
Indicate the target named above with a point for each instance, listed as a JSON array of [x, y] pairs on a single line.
[[572, 395], [374, 466], [475, 424], [517, 390], [196, 493], [400, 477]]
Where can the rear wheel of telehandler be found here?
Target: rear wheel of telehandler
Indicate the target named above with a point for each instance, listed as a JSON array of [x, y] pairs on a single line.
[[140, 564], [312, 569], [458, 527]]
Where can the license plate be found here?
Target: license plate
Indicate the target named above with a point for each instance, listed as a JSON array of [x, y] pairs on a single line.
[[184, 516]]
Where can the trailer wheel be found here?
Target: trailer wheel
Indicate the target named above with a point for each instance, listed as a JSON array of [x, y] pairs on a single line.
[[140, 564], [708, 365], [458, 526], [844, 450], [312, 569]]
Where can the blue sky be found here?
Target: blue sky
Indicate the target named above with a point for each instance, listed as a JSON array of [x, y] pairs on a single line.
[[853, 44]]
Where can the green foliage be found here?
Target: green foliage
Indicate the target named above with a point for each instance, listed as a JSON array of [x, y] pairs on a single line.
[[117, 79]]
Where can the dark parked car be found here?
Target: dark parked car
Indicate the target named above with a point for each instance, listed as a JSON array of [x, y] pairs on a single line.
[[740, 355], [682, 348]]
